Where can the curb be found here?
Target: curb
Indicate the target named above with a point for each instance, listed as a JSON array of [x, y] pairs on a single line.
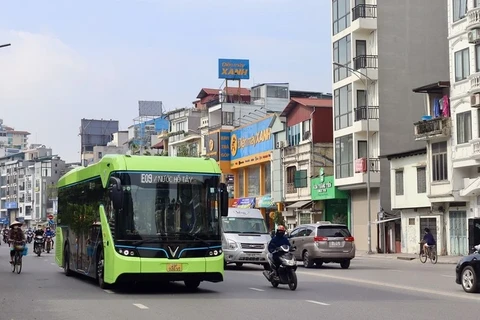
[[404, 259]]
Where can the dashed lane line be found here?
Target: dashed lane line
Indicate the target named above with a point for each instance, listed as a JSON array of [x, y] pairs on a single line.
[[317, 302], [140, 306], [256, 289], [108, 291]]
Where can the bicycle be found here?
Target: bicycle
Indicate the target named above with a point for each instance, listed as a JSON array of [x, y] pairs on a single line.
[[18, 247], [430, 254]]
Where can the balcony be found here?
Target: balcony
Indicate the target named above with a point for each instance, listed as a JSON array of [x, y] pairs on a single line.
[[434, 128], [291, 187], [364, 18], [473, 19], [361, 165], [466, 154], [360, 116], [366, 64], [474, 83], [358, 179]]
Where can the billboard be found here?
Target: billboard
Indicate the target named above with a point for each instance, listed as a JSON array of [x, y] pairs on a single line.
[[96, 133], [252, 139], [149, 108], [233, 69], [211, 143]]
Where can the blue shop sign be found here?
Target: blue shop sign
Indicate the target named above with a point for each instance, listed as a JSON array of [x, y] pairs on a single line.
[[243, 203], [265, 201], [252, 139], [224, 146], [11, 205]]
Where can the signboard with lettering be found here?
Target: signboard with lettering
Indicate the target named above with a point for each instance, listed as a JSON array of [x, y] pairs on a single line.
[[151, 179], [211, 143], [252, 139], [233, 69], [323, 188], [224, 146], [244, 203]]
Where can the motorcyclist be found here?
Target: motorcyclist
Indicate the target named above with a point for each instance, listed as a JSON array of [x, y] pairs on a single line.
[[277, 241], [48, 233], [16, 235], [38, 233]]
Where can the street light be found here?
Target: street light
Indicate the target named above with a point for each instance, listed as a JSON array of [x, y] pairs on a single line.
[[357, 73], [5, 45]]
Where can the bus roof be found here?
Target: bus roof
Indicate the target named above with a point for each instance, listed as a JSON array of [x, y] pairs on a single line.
[[111, 162]]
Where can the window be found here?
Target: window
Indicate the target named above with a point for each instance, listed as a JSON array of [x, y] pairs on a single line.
[[277, 92], [344, 157], [227, 118], [439, 161], [240, 179], [342, 55], [343, 107], [291, 179], [300, 179], [421, 180], [462, 64], [362, 149], [268, 177], [464, 127], [293, 135], [399, 182], [253, 181], [306, 128], [459, 9], [477, 56], [180, 126], [340, 15]]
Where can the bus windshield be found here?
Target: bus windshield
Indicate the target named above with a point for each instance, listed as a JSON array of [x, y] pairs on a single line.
[[244, 225], [165, 203]]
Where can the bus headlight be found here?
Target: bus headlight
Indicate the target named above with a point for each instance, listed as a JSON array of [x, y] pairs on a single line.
[[127, 252], [214, 253]]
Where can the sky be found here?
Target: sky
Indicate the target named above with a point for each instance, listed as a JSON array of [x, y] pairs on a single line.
[[95, 59]]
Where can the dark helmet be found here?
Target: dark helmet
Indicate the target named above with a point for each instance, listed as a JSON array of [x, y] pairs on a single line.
[[281, 230], [427, 230]]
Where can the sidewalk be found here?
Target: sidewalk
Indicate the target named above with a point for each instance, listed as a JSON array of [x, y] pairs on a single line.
[[406, 256]]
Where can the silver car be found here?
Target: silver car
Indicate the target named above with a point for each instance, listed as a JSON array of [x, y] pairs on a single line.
[[323, 242]]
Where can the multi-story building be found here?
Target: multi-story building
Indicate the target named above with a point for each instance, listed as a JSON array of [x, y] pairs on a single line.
[[95, 133], [307, 148], [11, 138], [118, 145], [184, 138], [28, 185], [378, 57]]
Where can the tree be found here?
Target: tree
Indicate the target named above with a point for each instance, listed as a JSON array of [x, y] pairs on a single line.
[[183, 151], [278, 218]]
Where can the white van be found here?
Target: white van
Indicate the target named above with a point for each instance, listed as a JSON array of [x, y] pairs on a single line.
[[245, 237]]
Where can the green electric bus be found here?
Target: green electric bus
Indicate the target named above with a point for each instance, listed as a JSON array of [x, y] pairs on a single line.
[[142, 218]]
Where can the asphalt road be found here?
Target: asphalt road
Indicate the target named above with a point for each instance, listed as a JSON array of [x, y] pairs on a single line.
[[371, 289]]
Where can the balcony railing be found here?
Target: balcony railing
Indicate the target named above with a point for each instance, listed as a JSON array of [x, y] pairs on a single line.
[[361, 165], [433, 127], [365, 62], [235, 99], [364, 11], [473, 18], [290, 151], [475, 82], [361, 113], [291, 187]]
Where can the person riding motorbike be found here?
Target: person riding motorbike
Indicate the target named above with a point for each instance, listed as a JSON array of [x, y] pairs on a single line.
[[15, 235], [277, 241], [48, 233], [38, 233]]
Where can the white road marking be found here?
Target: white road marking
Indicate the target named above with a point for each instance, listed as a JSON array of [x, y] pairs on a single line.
[[447, 276], [394, 286], [108, 291], [53, 264], [318, 302], [140, 306], [396, 270], [255, 289]]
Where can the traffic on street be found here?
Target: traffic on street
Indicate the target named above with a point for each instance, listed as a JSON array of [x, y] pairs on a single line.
[[372, 288]]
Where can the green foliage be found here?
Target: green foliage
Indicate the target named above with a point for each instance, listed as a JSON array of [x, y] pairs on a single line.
[[278, 218]]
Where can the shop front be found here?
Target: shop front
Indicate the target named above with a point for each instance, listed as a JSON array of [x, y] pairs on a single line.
[[250, 162], [335, 203]]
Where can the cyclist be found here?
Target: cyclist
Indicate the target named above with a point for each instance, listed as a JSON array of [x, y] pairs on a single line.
[[15, 235], [428, 240]]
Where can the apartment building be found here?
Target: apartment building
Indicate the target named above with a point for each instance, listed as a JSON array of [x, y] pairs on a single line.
[[184, 138], [379, 55], [11, 138]]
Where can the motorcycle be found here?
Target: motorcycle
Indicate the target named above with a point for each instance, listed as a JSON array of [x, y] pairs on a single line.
[[38, 245], [49, 244], [29, 237], [285, 274]]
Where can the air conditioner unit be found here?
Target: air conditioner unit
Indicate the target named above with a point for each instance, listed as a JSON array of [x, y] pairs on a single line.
[[279, 144], [474, 36], [475, 100]]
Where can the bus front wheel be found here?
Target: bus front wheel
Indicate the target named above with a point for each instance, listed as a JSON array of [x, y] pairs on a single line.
[[192, 284], [66, 264], [101, 270]]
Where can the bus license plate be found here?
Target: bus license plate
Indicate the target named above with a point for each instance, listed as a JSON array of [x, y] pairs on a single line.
[[174, 267]]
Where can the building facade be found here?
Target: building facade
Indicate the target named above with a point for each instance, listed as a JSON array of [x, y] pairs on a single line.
[[184, 139], [377, 58], [409, 195]]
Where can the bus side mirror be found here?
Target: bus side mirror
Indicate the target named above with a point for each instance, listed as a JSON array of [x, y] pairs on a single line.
[[223, 200], [116, 193]]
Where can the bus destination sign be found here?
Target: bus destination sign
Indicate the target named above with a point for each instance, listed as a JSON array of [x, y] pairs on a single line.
[[146, 178]]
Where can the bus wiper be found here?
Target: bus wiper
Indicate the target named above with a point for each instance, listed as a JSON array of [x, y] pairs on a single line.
[[151, 240]]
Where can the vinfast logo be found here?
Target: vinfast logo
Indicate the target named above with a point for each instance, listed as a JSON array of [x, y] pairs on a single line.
[[172, 252]]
